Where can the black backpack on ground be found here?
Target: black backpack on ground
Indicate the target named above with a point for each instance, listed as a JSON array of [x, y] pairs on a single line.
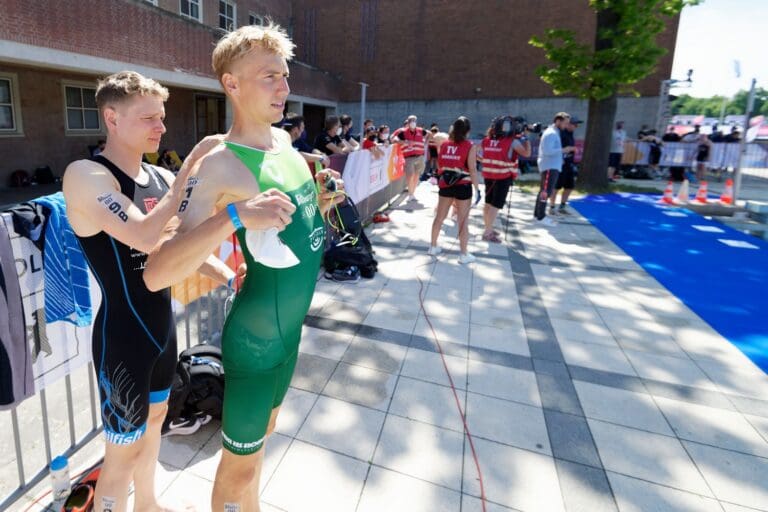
[[347, 243], [198, 386]]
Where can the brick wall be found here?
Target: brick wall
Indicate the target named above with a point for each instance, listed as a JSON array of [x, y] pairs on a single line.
[[45, 142], [442, 50]]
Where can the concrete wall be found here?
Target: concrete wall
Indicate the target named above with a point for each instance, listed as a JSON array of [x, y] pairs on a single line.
[[634, 111]]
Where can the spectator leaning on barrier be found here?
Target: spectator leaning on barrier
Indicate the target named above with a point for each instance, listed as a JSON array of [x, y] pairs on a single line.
[[618, 138], [567, 179], [346, 132], [383, 135], [703, 154], [499, 149], [294, 125], [330, 141], [413, 139], [654, 151], [550, 162]]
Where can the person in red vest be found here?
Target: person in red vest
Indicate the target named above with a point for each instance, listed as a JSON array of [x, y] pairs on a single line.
[[413, 139], [501, 146], [457, 176]]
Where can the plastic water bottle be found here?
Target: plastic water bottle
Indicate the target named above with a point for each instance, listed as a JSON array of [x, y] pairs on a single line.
[[60, 485]]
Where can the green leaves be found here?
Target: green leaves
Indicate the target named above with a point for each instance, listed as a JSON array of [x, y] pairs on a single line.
[[623, 52]]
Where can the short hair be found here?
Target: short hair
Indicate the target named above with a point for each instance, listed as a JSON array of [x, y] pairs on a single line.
[[237, 44], [330, 122], [345, 119], [368, 121], [292, 120], [560, 116], [383, 127], [118, 87]]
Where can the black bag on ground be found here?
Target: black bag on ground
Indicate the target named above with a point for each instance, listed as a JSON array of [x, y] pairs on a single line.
[[347, 244], [44, 175], [198, 386], [540, 209]]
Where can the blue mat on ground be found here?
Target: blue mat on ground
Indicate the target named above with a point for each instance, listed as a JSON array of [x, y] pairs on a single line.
[[718, 272]]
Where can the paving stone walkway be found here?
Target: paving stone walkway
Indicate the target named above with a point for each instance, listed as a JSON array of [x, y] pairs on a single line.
[[587, 386]]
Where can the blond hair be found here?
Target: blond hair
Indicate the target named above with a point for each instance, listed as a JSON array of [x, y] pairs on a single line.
[[239, 43], [121, 86]]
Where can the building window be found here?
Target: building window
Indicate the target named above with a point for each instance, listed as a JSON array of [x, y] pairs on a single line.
[[82, 114], [153, 2], [10, 111], [255, 19], [191, 9], [227, 12]]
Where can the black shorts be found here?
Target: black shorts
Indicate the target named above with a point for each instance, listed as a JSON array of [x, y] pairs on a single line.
[[496, 191], [460, 192], [567, 178], [432, 152], [614, 160]]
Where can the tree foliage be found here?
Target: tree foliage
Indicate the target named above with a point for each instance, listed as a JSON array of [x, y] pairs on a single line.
[[589, 71], [623, 52], [710, 107]]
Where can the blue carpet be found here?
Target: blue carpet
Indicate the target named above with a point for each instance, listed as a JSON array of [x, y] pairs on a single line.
[[724, 285]]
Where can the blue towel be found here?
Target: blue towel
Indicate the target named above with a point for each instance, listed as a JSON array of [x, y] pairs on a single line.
[[67, 294]]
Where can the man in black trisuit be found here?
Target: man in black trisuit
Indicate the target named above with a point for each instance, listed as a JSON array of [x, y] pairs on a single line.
[[118, 208]]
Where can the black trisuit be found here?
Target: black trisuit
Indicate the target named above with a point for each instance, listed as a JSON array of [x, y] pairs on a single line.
[[134, 336]]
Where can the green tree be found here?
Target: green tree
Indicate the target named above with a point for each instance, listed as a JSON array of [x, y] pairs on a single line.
[[623, 52], [711, 107]]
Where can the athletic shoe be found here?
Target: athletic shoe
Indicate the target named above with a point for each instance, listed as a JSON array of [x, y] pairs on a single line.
[[203, 418], [344, 275], [83, 492], [552, 210], [434, 251], [547, 221], [466, 258], [180, 427], [563, 210], [492, 237], [411, 199]]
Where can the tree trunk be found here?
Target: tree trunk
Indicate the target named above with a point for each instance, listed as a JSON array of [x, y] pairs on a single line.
[[597, 144], [594, 163]]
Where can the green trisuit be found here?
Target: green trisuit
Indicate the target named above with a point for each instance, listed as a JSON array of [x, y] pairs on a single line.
[[261, 334]]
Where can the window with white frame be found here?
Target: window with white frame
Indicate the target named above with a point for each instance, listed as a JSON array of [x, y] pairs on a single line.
[[191, 9], [256, 19], [10, 113], [227, 15], [82, 114]]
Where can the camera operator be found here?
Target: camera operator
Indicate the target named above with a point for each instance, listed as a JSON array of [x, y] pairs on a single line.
[[550, 163], [506, 138], [567, 179]]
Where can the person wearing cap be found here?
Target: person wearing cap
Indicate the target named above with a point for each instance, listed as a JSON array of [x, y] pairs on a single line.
[[294, 125], [413, 139], [550, 163], [566, 181]]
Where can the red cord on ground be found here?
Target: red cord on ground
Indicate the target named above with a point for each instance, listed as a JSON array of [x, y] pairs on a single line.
[[455, 394]]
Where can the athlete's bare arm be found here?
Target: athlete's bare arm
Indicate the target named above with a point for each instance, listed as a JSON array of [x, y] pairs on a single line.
[[216, 180]]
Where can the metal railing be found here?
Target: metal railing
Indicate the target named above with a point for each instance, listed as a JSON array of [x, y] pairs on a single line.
[[61, 420]]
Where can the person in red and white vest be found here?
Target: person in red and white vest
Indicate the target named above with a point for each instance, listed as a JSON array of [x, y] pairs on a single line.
[[457, 177], [500, 149], [414, 140]]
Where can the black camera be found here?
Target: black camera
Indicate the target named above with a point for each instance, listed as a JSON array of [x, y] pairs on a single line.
[[533, 128]]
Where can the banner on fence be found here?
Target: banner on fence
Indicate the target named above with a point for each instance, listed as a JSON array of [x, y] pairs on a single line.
[[365, 174], [56, 348], [683, 154]]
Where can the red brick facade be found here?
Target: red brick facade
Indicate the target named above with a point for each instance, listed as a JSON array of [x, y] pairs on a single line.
[[444, 50]]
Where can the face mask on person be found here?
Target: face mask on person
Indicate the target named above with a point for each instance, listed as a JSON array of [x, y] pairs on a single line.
[[385, 135], [412, 125], [338, 130]]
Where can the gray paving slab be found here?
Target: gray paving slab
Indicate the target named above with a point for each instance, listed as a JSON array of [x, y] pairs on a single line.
[[585, 488]]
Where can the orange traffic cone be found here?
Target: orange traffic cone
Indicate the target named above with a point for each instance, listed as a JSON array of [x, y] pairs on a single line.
[[727, 196], [668, 198], [701, 195], [682, 194]]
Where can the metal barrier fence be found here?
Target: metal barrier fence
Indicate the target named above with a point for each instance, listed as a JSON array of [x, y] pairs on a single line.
[[61, 420]]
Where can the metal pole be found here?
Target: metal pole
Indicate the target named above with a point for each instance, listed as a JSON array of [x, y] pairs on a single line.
[[663, 113], [743, 142], [363, 86]]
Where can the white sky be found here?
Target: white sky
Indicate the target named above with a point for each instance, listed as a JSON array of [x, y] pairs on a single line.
[[715, 33]]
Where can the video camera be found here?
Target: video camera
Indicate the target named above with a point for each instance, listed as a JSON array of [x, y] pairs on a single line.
[[525, 127], [506, 126]]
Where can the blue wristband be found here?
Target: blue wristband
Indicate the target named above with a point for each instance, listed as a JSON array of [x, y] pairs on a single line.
[[234, 217]]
